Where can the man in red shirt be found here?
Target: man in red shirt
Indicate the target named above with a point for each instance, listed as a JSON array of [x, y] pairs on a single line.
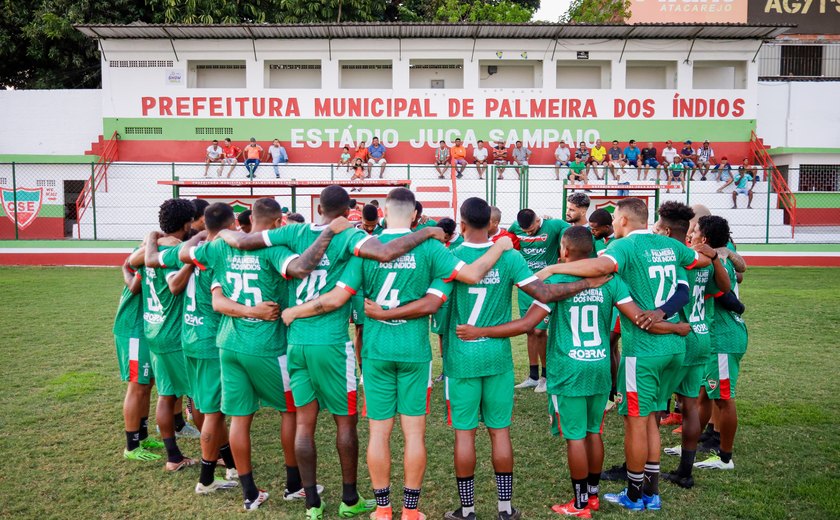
[[232, 153], [495, 232], [355, 214]]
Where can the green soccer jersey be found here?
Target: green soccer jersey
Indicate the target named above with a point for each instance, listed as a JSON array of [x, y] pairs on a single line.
[[201, 322], [649, 265], [578, 356], [330, 328], [485, 304], [248, 278], [161, 310], [701, 285], [399, 282], [542, 248], [729, 332], [600, 244], [452, 244], [128, 322]]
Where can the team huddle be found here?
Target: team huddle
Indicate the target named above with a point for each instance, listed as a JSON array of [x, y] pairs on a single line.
[[236, 321]]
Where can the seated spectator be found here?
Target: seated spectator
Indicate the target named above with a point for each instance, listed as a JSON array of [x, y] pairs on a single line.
[[577, 171], [741, 179], [358, 173], [676, 172], [669, 155], [244, 221], [500, 157], [705, 159], [597, 158], [459, 157], [361, 153], [232, 153], [480, 158], [615, 160], [376, 157], [582, 153], [723, 172], [442, 162], [689, 160], [344, 159], [746, 166], [278, 155], [562, 156], [631, 155], [214, 154], [648, 161], [253, 154], [520, 157]]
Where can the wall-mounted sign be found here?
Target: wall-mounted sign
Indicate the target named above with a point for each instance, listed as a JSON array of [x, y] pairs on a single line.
[[174, 77], [691, 11], [583, 55], [810, 16]]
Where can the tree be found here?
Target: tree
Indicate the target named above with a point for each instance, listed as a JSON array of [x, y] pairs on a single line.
[[483, 11], [597, 11]]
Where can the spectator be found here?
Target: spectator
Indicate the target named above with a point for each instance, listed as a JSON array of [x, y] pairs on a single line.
[[615, 160], [358, 173], [494, 231], [213, 155], [631, 155], [376, 157], [370, 219], [520, 158], [361, 153], [459, 157], [705, 159], [244, 220], [232, 153], [441, 159], [278, 155], [582, 153], [669, 154], [745, 165], [724, 172], [355, 215], [344, 159], [561, 158], [500, 157], [597, 158], [577, 171], [480, 158], [253, 154], [676, 173], [648, 161], [296, 218], [689, 160], [741, 179], [577, 205]]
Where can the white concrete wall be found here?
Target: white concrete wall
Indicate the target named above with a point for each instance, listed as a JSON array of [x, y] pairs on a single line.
[[799, 114], [49, 122]]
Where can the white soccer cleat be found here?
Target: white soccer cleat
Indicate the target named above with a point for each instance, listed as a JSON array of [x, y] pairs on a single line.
[[300, 494], [714, 462], [253, 505], [528, 383], [231, 473], [188, 432], [217, 485], [541, 387], [676, 451]]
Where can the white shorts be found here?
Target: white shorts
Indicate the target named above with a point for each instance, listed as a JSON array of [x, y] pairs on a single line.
[[379, 162], [742, 191], [229, 160]]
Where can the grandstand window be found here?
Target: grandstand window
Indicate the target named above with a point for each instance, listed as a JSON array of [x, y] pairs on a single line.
[[216, 74], [293, 74], [222, 131], [366, 74], [584, 74], [801, 60], [139, 63], [720, 75], [651, 74], [143, 130], [436, 74], [510, 74], [819, 177]]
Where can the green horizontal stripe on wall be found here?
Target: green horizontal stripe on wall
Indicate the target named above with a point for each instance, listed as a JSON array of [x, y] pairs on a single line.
[[47, 210], [817, 200]]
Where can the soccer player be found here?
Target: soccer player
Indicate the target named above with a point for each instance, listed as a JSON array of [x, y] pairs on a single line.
[[648, 263], [577, 205], [495, 231], [578, 366], [729, 344], [370, 220], [479, 374], [321, 357], [540, 246], [162, 301], [600, 222], [244, 221], [135, 369], [397, 360], [252, 350], [451, 240], [198, 220], [703, 283]]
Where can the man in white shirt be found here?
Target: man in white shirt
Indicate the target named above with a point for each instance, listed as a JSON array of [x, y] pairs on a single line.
[[278, 155], [480, 158], [213, 155], [669, 153], [705, 159], [561, 157]]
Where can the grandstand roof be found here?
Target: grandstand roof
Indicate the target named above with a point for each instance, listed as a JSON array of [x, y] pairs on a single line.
[[536, 30]]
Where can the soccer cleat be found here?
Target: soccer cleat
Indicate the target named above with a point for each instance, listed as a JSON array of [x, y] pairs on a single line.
[[673, 419], [178, 466], [407, 514], [458, 514], [382, 513], [653, 502], [675, 451], [615, 473], [316, 513], [569, 509], [231, 474], [188, 432], [593, 504], [541, 387], [253, 505], [140, 453], [300, 494], [712, 445], [514, 514], [439, 378], [621, 499], [150, 443], [218, 484], [359, 508], [528, 383], [715, 462], [675, 478]]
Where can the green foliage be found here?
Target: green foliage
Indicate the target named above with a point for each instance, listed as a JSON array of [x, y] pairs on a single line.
[[597, 11], [483, 11]]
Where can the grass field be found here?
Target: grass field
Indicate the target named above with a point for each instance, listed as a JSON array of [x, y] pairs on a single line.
[[61, 434]]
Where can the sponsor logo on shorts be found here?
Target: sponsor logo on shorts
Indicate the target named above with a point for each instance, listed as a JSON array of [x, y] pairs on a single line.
[[590, 354], [712, 383], [146, 370]]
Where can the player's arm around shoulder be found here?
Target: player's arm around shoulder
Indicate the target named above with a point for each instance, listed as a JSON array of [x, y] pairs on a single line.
[[323, 304], [373, 249], [264, 310], [537, 312], [549, 293], [473, 273]]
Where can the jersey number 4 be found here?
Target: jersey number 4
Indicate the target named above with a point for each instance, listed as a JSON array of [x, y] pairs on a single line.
[[388, 297]]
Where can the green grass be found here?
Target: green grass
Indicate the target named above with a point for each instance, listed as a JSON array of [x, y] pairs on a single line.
[[61, 426]]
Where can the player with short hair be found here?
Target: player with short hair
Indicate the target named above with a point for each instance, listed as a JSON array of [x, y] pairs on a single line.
[[649, 265], [577, 205], [496, 231], [198, 219], [321, 357], [540, 246], [244, 221], [600, 222], [370, 220]]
